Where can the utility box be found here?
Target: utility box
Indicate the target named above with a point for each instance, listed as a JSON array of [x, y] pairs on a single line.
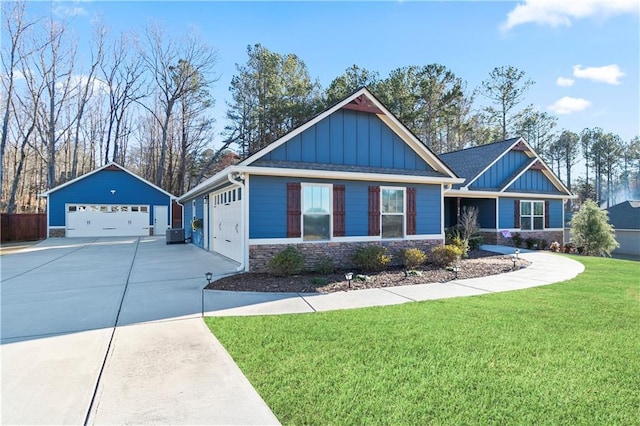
[[175, 236]]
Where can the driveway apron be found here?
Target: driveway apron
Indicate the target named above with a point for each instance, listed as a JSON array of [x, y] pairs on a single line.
[[64, 360]]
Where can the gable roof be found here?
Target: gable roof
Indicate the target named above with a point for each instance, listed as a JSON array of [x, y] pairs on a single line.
[[625, 215], [110, 165], [362, 100], [471, 163]]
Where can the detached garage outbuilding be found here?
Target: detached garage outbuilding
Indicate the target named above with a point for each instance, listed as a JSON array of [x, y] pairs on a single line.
[[109, 201]]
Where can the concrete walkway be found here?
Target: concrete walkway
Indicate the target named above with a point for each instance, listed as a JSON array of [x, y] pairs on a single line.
[[546, 268]]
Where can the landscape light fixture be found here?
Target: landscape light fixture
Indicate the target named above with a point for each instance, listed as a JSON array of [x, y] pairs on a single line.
[[208, 275], [349, 277], [456, 269], [514, 259], [517, 253]]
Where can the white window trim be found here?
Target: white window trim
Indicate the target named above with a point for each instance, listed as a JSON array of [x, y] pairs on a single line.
[[310, 184], [193, 209], [404, 211], [532, 215]]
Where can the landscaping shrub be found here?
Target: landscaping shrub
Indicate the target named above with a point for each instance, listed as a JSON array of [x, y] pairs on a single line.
[[445, 255], [371, 258], [462, 244], [413, 257], [542, 243], [530, 243], [569, 248], [476, 242], [517, 239], [318, 281], [325, 266], [555, 247], [288, 262]]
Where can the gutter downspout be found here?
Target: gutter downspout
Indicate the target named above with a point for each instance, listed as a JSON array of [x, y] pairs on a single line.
[[240, 183]]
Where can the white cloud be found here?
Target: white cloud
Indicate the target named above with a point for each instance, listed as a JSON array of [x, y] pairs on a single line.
[[568, 105], [562, 12], [609, 74], [564, 82], [63, 11]]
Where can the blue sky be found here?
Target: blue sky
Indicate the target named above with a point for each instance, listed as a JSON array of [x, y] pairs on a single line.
[[582, 54]]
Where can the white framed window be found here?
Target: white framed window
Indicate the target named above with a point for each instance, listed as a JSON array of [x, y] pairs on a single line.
[[317, 208], [392, 212], [531, 215]]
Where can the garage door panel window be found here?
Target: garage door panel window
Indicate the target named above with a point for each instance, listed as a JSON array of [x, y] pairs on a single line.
[[392, 212], [531, 215], [316, 212]]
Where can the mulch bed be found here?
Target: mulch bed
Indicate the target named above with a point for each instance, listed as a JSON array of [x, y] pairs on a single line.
[[480, 263]]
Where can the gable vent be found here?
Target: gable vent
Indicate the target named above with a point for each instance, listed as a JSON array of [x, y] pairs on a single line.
[[364, 104], [538, 166]]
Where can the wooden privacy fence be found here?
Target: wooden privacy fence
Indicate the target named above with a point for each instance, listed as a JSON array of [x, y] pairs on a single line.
[[23, 227]]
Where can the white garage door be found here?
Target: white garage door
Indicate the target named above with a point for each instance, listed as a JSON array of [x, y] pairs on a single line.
[[226, 224], [96, 220]]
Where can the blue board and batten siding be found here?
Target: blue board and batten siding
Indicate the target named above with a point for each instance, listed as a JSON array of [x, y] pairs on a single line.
[[496, 176], [268, 206], [96, 189], [350, 138], [506, 211], [533, 181]]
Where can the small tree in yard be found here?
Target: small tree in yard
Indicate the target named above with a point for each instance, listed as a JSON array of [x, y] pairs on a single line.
[[469, 222], [590, 229]]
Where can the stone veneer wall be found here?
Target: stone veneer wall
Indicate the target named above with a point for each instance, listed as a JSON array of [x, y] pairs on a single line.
[[340, 253], [57, 233]]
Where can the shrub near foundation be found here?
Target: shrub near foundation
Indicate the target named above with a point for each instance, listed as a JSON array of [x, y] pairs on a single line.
[[288, 262], [413, 257], [371, 258], [325, 266], [445, 255]]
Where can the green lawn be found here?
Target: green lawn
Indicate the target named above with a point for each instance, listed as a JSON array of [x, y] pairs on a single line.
[[568, 353]]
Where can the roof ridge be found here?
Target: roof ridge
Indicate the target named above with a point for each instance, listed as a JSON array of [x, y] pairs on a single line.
[[481, 146]]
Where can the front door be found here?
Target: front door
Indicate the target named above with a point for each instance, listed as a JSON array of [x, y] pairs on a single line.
[[160, 220]]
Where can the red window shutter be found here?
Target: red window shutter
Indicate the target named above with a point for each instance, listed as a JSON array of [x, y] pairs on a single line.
[[374, 210], [546, 214], [338, 211], [516, 213], [293, 210], [411, 211]]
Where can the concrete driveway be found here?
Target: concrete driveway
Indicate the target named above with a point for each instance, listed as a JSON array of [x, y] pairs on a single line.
[[108, 331]]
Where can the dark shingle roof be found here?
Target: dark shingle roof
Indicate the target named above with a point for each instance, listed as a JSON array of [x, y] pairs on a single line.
[[625, 215], [345, 168], [468, 163]]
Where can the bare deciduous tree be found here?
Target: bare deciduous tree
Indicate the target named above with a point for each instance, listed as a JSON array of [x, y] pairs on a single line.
[[178, 69]]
